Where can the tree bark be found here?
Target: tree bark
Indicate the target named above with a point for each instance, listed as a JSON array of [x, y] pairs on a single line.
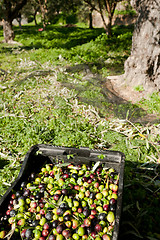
[[110, 8], [109, 26], [11, 11], [91, 19], [101, 13], [143, 65], [19, 19], [8, 33], [43, 12]]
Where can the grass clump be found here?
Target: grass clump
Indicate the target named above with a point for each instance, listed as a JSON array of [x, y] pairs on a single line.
[[152, 104]]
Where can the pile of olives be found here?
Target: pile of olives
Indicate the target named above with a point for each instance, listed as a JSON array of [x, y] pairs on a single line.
[[63, 201]]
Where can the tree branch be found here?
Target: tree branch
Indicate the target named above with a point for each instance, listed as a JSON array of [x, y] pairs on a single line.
[[100, 10], [91, 5], [17, 8], [7, 7]]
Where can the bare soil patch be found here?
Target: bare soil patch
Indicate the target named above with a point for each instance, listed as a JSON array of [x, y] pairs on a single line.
[[117, 86]]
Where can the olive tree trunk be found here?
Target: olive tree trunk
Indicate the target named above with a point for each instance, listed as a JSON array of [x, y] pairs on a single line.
[[43, 9], [8, 32], [143, 65], [11, 10]]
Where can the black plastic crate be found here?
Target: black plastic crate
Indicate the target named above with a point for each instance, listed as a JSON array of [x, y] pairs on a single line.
[[40, 154]]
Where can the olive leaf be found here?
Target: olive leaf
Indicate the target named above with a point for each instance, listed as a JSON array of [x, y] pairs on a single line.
[[96, 166], [60, 200], [51, 204], [31, 188], [62, 164], [10, 233], [70, 156], [57, 175], [101, 156], [107, 184]]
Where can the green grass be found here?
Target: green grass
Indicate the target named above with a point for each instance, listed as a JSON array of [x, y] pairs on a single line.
[[130, 12], [53, 92], [152, 104]]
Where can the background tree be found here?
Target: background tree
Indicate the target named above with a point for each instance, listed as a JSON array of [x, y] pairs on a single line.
[[65, 9], [110, 6], [86, 11], [30, 10], [11, 10], [52, 10], [96, 6], [54, 7], [33, 7], [103, 6], [143, 66], [43, 8]]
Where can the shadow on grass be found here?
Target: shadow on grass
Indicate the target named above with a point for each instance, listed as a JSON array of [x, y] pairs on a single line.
[[62, 37], [140, 212], [56, 37], [91, 89], [3, 163]]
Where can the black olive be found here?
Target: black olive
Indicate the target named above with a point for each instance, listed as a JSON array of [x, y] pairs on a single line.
[[112, 174], [18, 194], [28, 233], [49, 208], [92, 195], [66, 171], [63, 205], [12, 213], [29, 220], [102, 216], [35, 223], [48, 216], [38, 196], [75, 176], [86, 212], [60, 211], [55, 223], [66, 217], [112, 208], [94, 221]]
